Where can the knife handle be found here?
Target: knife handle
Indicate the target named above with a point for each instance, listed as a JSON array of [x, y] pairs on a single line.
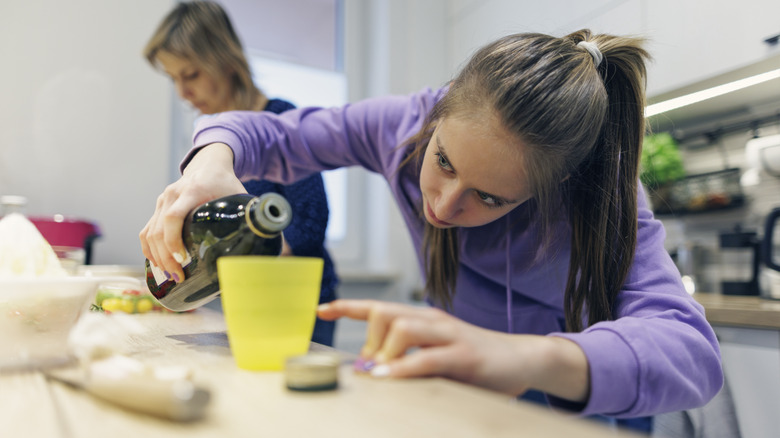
[[179, 400]]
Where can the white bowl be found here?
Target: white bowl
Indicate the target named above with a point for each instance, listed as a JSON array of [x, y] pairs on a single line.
[[36, 316], [135, 271]]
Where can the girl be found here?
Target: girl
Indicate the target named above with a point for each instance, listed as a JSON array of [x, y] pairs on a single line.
[[196, 46], [518, 182]]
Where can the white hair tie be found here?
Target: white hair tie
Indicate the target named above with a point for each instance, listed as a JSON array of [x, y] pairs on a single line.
[[593, 49]]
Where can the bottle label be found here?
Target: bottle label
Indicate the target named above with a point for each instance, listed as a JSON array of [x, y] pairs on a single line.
[[159, 275]]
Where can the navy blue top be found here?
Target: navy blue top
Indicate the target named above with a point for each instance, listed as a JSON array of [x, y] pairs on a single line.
[[306, 232]]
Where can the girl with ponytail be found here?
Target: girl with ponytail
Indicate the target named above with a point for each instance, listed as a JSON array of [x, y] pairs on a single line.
[[518, 180]]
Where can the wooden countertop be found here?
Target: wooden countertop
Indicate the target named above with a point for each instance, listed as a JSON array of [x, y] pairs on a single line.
[[740, 311], [252, 404]]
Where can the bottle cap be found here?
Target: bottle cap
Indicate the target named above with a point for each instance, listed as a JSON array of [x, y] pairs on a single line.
[[312, 372], [270, 214]]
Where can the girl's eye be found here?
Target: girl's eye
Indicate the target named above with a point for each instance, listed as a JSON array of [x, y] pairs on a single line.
[[489, 200], [191, 76], [442, 161]]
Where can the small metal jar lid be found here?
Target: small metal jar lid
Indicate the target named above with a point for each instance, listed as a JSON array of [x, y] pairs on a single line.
[[312, 372]]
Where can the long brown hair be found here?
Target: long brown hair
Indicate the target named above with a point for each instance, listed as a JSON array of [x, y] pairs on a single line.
[[201, 32], [583, 124]]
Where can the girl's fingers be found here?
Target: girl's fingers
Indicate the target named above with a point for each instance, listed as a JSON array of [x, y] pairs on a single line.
[[352, 309], [145, 249], [380, 316], [422, 329], [364, 310], [361, 309], [428, 362], [171, 225], [379, 320], [151, 236]]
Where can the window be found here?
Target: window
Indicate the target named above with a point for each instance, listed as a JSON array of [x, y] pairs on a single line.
[[308, 86]]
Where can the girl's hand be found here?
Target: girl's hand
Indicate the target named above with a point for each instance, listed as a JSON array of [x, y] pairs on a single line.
[[208, 176], [449, 347]]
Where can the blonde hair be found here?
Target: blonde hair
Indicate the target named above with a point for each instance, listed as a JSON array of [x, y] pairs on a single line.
[[583, 123], [201, 32]]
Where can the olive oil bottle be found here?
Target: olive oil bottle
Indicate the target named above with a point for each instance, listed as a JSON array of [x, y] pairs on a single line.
[[239, 224]]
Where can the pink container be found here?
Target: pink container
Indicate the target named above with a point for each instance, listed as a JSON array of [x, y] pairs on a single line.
[[61, 231]]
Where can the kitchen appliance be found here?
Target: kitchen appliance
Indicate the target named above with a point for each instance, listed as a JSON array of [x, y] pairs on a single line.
[[764, 153], [691, 259], [740, 253], [770, 255], [762, 156]]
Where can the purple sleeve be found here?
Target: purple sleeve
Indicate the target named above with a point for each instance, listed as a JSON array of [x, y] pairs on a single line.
[[290, 146], [660, 353]]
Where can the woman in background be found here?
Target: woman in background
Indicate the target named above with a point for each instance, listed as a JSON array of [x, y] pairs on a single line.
[[196, 46]]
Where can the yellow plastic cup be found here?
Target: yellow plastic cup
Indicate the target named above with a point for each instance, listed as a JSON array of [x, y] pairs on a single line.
[[270, 306]]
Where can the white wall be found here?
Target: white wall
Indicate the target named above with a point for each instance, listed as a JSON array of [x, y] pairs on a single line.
[[84, 121], [473, 23]]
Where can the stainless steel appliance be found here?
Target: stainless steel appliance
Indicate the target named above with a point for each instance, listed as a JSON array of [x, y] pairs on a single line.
[[740, 253], [770, 256]]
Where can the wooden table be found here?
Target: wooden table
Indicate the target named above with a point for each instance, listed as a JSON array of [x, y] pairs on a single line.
[[257, 404], [740, 311]]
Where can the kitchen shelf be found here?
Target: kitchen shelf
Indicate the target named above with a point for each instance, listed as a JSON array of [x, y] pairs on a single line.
[[700, 193]]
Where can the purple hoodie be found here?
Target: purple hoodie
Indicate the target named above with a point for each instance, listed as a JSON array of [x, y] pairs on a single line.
[[659, 355]]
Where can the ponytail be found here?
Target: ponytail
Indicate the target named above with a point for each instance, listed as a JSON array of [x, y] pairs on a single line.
[[602, 192]]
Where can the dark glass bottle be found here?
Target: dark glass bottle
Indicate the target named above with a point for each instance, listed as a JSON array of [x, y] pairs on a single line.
[[234, 225]]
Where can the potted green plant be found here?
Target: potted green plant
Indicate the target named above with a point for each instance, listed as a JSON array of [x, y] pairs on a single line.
[[661, 165]]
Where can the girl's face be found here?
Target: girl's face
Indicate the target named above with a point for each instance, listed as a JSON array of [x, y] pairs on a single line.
[[471, 173], [205, 92]]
